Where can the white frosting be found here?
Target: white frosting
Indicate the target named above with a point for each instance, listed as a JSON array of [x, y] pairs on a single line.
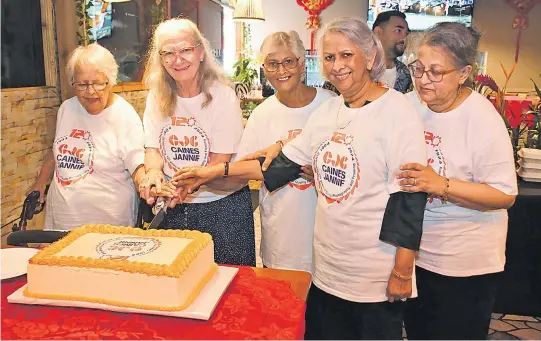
[[155, 250]]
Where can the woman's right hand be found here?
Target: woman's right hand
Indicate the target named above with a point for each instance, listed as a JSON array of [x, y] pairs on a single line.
[[269, 153], [152, 186], [40, 187]]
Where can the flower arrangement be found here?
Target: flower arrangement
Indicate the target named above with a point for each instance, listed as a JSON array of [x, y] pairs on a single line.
[[523, 126]]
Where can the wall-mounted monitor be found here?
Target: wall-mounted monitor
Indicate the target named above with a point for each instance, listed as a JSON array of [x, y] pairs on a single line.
[[422, 14]]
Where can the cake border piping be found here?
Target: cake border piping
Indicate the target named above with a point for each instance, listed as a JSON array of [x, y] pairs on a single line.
[[175, 269]]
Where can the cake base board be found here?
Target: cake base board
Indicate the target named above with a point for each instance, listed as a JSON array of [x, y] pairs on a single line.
[[200, 309]]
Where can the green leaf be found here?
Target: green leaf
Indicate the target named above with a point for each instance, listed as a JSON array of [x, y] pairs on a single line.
[[536, 88]]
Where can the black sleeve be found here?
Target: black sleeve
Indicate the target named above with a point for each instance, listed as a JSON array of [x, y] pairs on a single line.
[[403, 220], [281, 171]]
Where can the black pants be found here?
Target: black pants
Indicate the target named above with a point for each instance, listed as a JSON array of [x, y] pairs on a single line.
[[450, 308], [329, 317]]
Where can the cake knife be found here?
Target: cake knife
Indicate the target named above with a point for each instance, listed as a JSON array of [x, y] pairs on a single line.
[[160, 210]]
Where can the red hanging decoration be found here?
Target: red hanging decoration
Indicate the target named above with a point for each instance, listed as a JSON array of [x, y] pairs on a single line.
[[520, 22], [314, 8]]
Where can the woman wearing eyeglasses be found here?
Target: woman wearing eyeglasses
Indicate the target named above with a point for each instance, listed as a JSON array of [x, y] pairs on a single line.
[[471, 181], [193, 118], [287, 214], [366, 230], [98, 151]]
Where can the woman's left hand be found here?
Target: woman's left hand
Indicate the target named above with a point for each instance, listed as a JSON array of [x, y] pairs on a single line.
[[398, 288], [418, 178]]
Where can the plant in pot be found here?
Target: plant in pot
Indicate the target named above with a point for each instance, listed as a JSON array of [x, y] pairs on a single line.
[[245, 75], [533, 115]]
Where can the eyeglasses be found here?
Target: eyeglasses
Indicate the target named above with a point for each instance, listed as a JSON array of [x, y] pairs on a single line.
[[84, 86], [169, 57], [435, 76], [288, 63]]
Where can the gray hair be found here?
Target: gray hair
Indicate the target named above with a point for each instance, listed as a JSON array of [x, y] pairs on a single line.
[[96, 56], [456, 38], [362, 36], [289, 40]]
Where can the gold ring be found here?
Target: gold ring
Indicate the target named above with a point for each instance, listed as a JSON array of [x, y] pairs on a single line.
[[414, 181]]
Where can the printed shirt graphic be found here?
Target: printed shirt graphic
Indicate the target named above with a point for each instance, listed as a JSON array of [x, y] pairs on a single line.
[[337, 168], [193, 131], [74, 156], [355, 170], [287, 214], [470, 144], [299, 183], [436, 159], [95, 156], [184, 143]]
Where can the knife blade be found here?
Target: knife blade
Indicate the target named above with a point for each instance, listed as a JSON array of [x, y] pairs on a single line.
[[160, 210]]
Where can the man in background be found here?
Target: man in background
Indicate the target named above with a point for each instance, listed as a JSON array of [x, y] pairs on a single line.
[[392, 29]]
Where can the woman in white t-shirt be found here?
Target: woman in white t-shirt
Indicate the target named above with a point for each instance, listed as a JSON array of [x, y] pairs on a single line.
[[366, 230], [98, 150], [193, 117], [287, 215], [471, 182]]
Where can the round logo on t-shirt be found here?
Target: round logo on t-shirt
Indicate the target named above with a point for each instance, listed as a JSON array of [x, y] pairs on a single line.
[[183, 143], [435, 156], [125, 247], [74, 156], [336, 168]]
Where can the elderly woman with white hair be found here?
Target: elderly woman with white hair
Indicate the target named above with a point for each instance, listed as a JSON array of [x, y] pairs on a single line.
[[98, 150], [193, 117], [366, 230]]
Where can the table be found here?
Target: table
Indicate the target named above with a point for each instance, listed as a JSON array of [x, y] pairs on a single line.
[[520, 288], [259, 304]]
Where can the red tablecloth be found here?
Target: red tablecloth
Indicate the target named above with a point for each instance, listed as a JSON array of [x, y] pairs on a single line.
[[252, 308]]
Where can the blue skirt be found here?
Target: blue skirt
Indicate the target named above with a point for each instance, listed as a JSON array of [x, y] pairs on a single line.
[[230, 222]]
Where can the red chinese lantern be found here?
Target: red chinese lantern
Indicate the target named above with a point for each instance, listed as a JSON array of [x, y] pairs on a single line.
[[314, 8]]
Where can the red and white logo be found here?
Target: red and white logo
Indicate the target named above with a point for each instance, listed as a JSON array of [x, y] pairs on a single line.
[[183, 143], [435, 157], [336, 168], [74, 156], [122, 248], [299, 183]]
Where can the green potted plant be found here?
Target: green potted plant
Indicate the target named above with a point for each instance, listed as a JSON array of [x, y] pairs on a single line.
[[245, 75]]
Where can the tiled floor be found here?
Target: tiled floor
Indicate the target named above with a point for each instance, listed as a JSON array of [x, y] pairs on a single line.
[[502, 327], [514, 327]]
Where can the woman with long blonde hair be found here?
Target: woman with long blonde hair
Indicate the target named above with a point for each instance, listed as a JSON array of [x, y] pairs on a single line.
[[193, 118]]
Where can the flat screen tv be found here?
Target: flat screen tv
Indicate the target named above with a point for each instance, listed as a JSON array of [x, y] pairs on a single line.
[[422, 14], [101, 18]]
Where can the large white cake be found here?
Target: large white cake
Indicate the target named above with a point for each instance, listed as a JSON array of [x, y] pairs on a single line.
[[124, 266]]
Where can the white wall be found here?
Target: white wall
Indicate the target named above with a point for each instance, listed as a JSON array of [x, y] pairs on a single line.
[[494, 18], [285, 15]]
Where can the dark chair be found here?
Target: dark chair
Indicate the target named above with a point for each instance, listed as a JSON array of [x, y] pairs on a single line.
[[22, 237]]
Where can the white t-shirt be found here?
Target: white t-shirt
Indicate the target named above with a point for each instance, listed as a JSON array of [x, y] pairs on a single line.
[[288, 214], [388, 78], [192, 133], [355, 170], [95, 157], [469, 143]]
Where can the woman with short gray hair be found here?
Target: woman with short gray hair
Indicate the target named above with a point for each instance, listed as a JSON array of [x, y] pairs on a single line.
[[366, 230], [471, 181], [98, 151]]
